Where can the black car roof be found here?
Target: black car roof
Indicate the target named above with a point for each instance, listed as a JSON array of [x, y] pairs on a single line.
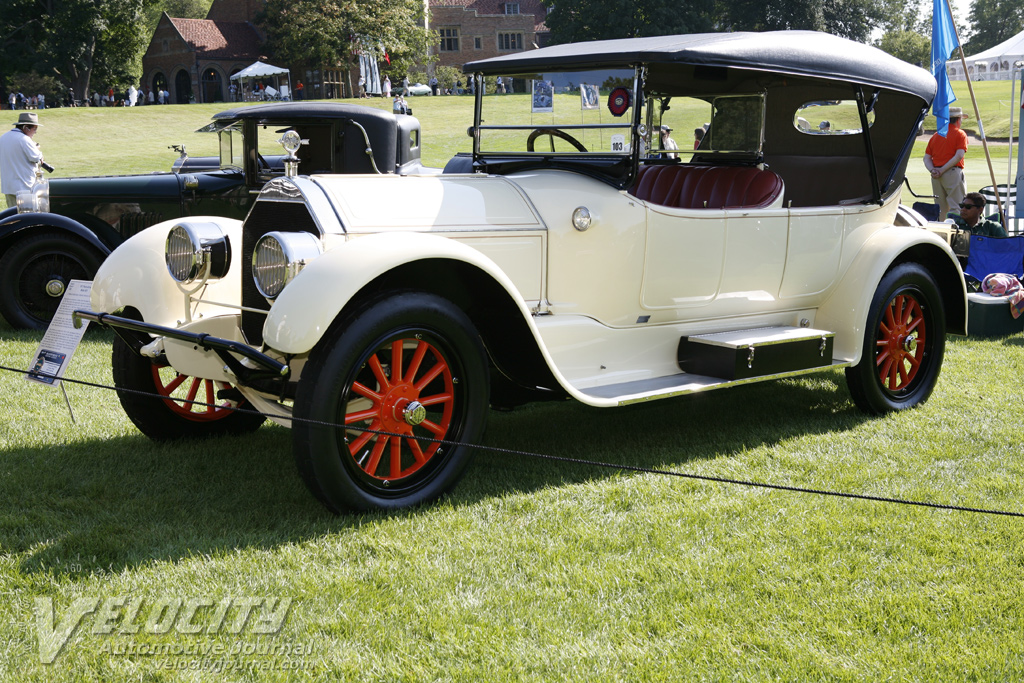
[[804, 53], [303, 110]]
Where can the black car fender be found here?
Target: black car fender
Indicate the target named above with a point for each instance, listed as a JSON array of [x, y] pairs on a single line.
[[15, 225]]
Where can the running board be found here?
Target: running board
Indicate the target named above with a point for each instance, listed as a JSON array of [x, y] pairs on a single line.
[[727, 359]]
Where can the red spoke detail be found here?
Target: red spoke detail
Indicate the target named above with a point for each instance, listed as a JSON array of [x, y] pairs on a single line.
[[193, 390], [211, 397], [436, 429], [361, 415], [357, 444], [378, 372], [417, 452], [367, 392], [434, 400], [396, 458], [396, 361], [378, 450], [885, 372], [169, 388], [417, 359], [438, 368]]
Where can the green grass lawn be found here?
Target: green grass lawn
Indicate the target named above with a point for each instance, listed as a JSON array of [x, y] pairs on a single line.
[[532, 570]]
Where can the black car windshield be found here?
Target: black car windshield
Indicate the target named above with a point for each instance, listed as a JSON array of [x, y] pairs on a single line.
[[572, 113]]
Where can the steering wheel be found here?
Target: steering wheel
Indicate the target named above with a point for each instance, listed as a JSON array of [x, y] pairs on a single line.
[[554, 133]]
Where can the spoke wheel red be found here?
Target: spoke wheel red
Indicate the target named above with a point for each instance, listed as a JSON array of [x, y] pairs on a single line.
[[406, 389], [902, 339], [180, 390]]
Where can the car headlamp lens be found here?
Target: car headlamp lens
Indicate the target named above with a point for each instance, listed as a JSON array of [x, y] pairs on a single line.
[[279, 257], [197, 249]]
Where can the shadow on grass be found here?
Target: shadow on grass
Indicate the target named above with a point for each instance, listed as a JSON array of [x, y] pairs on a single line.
[[123, 502]]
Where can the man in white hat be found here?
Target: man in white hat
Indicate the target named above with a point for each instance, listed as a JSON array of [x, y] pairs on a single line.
[[19, 154], [944, 159]]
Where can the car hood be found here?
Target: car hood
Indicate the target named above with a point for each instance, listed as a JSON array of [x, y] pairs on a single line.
[[439, 203]]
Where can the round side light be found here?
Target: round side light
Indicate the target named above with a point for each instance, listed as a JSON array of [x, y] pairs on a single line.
[[196, 250], [581, 218], [279, 257]]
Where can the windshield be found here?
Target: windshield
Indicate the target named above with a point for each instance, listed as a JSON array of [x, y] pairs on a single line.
[[573, 113]]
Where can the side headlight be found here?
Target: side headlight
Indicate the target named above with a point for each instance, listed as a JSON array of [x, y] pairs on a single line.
[[279, 257], [197, 250]]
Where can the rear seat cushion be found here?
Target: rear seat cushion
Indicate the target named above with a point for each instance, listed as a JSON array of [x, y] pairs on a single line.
[[708, 187]]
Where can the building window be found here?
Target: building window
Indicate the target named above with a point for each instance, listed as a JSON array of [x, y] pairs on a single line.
[[510, 41], [511, 8], [449, 39], [477, 43]]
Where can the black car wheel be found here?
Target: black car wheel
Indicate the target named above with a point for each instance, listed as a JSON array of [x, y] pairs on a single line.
[[36, 271], [172, 416], [904, 343], [410, 365]]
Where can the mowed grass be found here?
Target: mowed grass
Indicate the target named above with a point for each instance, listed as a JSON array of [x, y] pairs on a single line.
[[532, 569]]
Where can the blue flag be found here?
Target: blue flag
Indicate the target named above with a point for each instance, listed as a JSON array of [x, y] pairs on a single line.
[[943, 43]]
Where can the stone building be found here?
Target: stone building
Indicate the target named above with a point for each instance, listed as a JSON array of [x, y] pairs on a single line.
[[193, 58], [478, 29]]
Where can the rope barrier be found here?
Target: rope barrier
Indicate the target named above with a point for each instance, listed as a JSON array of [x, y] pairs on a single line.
[[554, 458]]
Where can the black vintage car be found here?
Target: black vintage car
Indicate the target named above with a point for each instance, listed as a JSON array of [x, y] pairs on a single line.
[[41, 252]]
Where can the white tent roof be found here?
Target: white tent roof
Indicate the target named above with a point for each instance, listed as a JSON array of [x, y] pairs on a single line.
[[259, 70], [1008, 51]]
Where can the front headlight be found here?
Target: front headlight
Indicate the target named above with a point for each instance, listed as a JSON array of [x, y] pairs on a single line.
[[197, 250], [279, 257]]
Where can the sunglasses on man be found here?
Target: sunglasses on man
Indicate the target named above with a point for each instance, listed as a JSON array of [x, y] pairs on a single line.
[[971, 206]]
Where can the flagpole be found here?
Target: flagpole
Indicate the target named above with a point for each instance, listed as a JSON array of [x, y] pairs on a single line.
[[981, 126]]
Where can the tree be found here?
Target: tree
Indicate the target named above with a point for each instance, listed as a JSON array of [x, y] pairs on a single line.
[[992, 22], [853, 19], [577, 20], [330, 33], [68, 39], [910, 46]]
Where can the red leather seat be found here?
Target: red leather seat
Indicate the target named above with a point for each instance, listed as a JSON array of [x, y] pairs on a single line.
[[708, 187]]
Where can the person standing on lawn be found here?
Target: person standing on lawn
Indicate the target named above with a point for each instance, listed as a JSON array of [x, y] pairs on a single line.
[[944, 159], [19, 156]]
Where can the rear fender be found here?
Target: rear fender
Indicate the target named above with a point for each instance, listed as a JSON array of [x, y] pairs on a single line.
[[846, 310]]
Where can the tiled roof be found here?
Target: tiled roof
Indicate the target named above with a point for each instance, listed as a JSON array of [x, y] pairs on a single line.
[[220, 39], [492, 6]]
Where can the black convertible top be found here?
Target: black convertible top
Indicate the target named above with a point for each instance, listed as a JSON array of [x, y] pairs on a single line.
[[804, 53], [303, 110]]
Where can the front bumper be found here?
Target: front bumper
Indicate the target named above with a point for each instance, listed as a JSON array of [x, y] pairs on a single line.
[[260, 366]]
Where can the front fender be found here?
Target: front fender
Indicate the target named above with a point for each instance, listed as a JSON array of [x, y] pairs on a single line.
[[304, 311], [846, 311], [135, 275], [13, 225]]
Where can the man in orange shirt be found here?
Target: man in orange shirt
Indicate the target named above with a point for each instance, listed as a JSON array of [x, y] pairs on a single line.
[[944, 159]]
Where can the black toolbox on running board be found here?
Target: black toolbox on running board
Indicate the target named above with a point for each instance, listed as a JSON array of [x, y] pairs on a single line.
[[742, 354]]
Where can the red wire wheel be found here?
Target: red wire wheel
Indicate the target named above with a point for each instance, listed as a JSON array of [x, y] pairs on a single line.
[[904, 342], [406, 391], [179, 392], [157, 398], [902, 339], [405, 370]]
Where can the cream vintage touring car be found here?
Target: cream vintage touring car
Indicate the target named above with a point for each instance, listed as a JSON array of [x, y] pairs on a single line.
[[638, 219]]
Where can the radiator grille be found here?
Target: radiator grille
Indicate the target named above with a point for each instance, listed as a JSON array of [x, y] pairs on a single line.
[[266, 216]]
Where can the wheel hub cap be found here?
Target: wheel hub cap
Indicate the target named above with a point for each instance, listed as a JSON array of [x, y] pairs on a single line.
[[55, 288], [414, 413], [909, 344]]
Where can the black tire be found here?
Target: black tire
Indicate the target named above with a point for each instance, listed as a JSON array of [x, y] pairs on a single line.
[[35, 263], [163, 419], [362, 350], [903, 352]]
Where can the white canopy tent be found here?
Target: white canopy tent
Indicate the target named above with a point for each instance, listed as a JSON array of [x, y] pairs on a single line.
[[994, 64], [258, 70]]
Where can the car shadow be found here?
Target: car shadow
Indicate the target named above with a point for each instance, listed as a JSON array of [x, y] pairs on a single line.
[[107, 505]]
